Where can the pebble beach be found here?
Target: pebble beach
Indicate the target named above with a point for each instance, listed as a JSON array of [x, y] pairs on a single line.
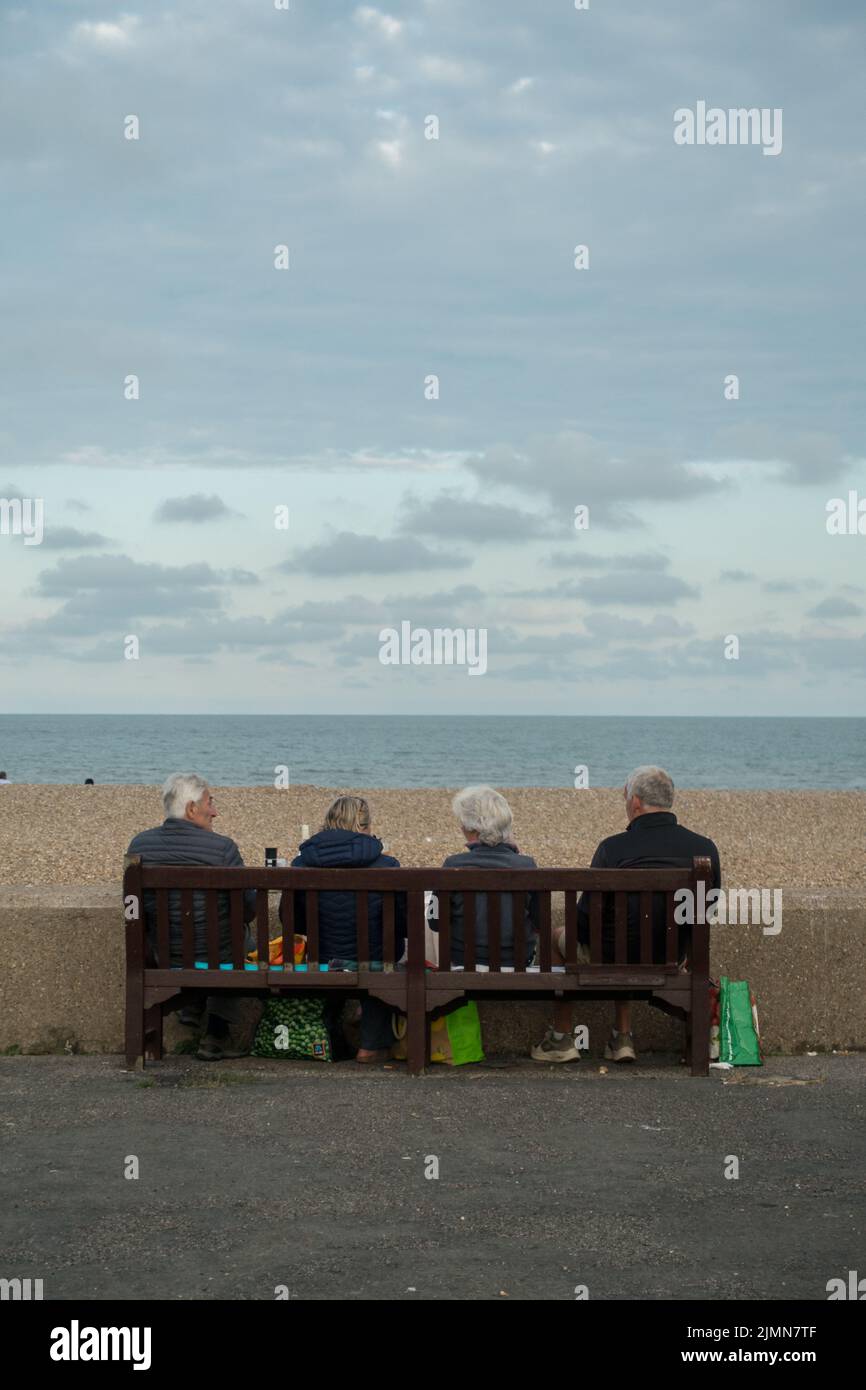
[[76, 835]]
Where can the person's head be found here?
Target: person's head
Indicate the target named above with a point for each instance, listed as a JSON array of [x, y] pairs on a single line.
[[648, 789], [88, 781], [186, 796], [348, 813], [2, 776], [484, 815]]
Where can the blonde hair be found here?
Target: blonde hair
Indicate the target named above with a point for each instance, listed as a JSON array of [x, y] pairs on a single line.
[[348, 813]]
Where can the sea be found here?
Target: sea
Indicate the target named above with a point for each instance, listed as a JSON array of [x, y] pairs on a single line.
[[367, 751]]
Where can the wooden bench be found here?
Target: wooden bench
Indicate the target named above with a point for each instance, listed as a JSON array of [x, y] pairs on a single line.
[[410, 986]]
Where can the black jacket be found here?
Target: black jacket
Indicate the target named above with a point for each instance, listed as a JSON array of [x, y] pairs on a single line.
[[654, 840]]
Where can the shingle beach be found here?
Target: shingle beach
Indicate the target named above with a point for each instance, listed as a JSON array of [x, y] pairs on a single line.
[[63, 834]]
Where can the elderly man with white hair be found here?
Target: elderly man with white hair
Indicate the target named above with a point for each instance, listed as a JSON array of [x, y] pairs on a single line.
[[486, 821], [187, 836], [652, 839]]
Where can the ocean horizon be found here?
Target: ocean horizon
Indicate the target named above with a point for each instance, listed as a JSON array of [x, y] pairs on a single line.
[[724, 753]]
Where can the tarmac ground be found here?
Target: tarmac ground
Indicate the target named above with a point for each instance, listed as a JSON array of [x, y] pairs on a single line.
[[257, 1179]]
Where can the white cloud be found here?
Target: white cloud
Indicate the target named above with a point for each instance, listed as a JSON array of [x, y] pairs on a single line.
[[107, 35], [384, 24], [449, 70], [522, 84], [390, 152]]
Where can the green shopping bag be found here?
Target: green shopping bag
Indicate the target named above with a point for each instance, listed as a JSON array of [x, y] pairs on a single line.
[[455, 1038], [738, 1025], [295, 1029]]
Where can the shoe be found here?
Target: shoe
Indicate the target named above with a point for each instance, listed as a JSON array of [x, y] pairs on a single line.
[[212, 1049], [382, 1054], [620, 1048], [552, 1049]]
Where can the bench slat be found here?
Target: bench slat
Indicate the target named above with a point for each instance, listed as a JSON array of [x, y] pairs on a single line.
[[596, 944], [388, 932], [213, 929], [570, 904], [163, 929], [671, 950], [236, 919], [312, 915], [362, 929], [544, 943], [287, 917], [263, 916], [620, 928], [187, 927], [494, 930], [646, 928], [444, 924], [469, 931], [518, 923]]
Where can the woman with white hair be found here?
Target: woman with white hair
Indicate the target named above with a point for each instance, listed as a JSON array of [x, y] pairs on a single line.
[[486, 822]]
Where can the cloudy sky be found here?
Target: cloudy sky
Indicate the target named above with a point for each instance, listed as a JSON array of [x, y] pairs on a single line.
[[447, 502]]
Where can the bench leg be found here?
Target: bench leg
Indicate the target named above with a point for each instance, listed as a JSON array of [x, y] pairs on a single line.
[[134, 1023], [153, 1032], [699, 1029]]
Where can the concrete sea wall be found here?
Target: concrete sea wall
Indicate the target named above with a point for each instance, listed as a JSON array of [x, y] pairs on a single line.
[[62, 963]]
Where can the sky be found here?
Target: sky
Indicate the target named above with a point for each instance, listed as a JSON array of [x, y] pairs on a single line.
[[333, 281]]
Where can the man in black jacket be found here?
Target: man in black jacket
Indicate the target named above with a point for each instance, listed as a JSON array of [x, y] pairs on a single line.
[[187, 836], [652, 839]]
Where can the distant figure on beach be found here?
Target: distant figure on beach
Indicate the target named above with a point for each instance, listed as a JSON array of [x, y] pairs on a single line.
[[345, 841], [486, 823], [88, 782], [187, 836], [4, 780], [652, 839]]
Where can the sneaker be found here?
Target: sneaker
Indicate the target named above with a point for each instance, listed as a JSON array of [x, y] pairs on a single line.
[[620, 1048], [552, 1049], [212, 1049]]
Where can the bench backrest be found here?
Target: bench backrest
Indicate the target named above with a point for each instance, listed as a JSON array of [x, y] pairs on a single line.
[[607, 897]]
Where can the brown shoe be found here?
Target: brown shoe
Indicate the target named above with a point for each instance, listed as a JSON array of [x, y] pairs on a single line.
[[382, 1055]]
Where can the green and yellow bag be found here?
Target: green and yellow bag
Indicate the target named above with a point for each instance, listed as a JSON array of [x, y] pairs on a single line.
[[455, 1038]]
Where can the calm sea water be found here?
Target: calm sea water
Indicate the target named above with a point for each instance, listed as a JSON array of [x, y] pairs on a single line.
[[407, 751]]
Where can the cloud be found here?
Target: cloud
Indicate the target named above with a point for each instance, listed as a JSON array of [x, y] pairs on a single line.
[[108, 36], [578, 558], [811, 456], [351, 553], [627, 587], [574, 469], [383, 25], [522, 85], [836, 608], [196, 508], [455, 515], [70, 538], [609, 627], [738, 576]]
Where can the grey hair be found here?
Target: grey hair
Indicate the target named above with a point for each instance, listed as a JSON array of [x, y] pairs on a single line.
[[652, 785], [179, 790], [484, 810]]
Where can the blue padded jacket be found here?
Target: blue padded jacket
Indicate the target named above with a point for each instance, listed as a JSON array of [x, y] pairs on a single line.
[[347, 849]]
